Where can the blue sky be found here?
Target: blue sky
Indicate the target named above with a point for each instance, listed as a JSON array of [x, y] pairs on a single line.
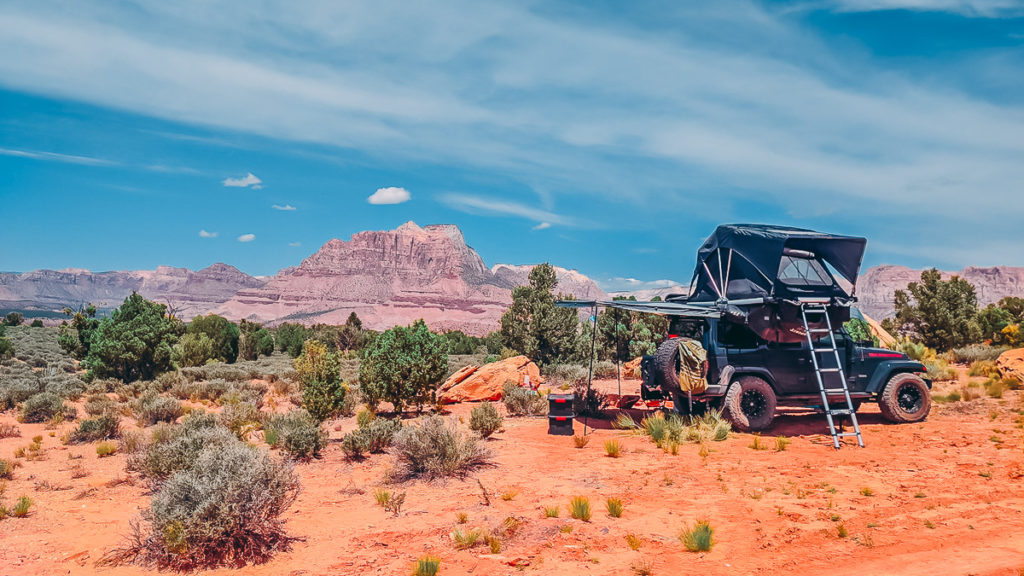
[[610, 137]]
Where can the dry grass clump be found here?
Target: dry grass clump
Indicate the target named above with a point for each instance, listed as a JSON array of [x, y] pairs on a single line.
[[615, 507], [485, 419], [612, 448], [8, 430], [579, 508], [104, 449], [781, 443], [426, 566], [699, 537], [633, 541], [757, 444], [551, 511], [465, 539], [668, 433], [435, 449], [6, 469], [520, 401], [580, 441]]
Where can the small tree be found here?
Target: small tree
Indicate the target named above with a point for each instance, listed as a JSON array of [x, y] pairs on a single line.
[[534, 326], [135, 342], [942, 314], [222, 332], [403, 366], [254, 340], [6, 348], [290, 337], [323, 392], [13, 319], [194, 350], [75, 338]]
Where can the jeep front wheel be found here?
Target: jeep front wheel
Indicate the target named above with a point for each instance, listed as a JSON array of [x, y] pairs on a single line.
[[749, 404], [905, 399]]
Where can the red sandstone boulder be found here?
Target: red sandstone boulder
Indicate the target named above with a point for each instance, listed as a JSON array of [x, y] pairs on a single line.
[[478, 383], [1011, 364], [631, 369]]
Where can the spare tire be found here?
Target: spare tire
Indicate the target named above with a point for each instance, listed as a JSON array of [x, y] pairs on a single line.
[[749, 404], [905, 399], [666, 365]]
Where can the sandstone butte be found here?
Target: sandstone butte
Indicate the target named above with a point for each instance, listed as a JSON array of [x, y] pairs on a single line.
[[478, 383], [1011, 364]]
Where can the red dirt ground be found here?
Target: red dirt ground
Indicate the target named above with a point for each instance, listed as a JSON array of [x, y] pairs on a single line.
[[948, 498]]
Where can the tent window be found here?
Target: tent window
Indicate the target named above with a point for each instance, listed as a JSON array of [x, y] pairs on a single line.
[[803, 272]]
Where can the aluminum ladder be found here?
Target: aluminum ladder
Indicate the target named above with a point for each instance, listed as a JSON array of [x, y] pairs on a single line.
[[815, 308]]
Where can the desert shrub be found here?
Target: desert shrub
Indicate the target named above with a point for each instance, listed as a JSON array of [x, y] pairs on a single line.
[[298, 433], [169, 380], [102, 427], [985, 368], [223, 510], [98, 404], [21, 508], [551, 511], [37, 323], [404, 366], [588, 402], [13, 319], [194, 350], [8, 430], [376, 436], [580, 441], [977, 353], [465, 539], [41, 408], [6, 469], [151, 408], [6, 347], [179, 447], [222, 333], [63, 385], [435, 448], [485, 419], [290, 337], [994, 388], [953, 396], [364, 417], [605, 369], [566, 372], [324, 400], [579, 508], [240, 417], [520, 401], [699, 537]]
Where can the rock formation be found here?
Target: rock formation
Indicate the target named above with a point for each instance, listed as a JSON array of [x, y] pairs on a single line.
[[186, 293], [876, 286], [1011, 364], [394, 277], [478, 383]]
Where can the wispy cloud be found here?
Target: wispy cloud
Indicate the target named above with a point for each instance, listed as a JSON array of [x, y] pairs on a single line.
[[542, 226], [285, 208], [972, 8], [246, 237], [205, 234], [295, 244], [633, 284], [55, 157], [496, 206], [389, 195], [247, 181]]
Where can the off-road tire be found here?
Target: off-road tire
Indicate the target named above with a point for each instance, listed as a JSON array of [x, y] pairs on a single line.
[[666, 366], [905, 399], [749, 404]]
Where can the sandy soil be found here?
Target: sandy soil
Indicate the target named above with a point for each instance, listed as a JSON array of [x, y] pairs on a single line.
[[948, 498]]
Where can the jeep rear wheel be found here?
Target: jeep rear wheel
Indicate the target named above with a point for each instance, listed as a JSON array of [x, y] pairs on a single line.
[[905, 399], [666, 365], [749, 404]]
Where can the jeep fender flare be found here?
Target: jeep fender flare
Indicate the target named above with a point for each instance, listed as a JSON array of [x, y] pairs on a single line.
[[890, 368], [739, 371]]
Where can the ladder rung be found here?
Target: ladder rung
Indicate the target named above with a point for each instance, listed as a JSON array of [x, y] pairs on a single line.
[[824, 350], [828, 369], [819, 330], [847, 434], [841, 412]]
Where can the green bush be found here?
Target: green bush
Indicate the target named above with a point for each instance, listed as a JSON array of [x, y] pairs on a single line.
[[298, 433], [135, 342], [222, 333], [41, 407], [435, 448], [376, 436], [355, 445], [194, 350], [403, 366], [698, 538], [290, 337], [37, 323], [485, 419], [102, 427], [13, 319], [151, 408], [985, 368], [6, 348], [520, 401], [223, 510], [324, 400]]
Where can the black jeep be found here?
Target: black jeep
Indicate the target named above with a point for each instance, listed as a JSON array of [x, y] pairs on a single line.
[[768, 304]]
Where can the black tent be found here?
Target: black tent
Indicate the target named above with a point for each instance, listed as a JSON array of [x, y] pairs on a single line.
[[759, 263]]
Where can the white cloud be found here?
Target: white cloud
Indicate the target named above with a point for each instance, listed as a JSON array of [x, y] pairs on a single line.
[[286, 207], [249, 180], [295, 244], [54, 156], [633, 284], [246, 237], [542, 226], [973, 8], [389, 195], [205, 234], [480, 205]]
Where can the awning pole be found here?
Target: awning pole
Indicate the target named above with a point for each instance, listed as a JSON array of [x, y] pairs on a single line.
[[590, 376], [618, 360]]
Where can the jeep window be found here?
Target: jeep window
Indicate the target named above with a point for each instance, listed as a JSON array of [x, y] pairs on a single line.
[[736, 336], [803, 272]]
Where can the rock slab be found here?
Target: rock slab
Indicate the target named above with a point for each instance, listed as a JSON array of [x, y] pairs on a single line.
[[478, 383], [1011, 364]]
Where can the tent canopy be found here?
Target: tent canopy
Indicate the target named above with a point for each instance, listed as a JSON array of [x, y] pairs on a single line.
[[740, 261]]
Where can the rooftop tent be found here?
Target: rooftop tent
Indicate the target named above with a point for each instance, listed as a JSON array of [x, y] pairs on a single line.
[[750, 261]]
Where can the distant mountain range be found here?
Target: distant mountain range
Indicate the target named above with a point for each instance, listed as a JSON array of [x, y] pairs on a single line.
[[388, 278]]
